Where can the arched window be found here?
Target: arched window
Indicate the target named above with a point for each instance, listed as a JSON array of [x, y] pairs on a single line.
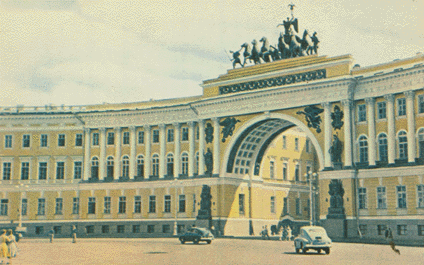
[[95, 168], [421, 142], [155, 165], [403, 145], [140, 166], [109, 167], [382, 146], [196, 167], [184, 164], [125, 166], [170, 165], [363, 149]]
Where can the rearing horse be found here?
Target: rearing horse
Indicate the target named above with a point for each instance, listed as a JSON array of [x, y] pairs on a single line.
[[265, 50], [307, 43], [247, 52], [295, 47], [255, 53]]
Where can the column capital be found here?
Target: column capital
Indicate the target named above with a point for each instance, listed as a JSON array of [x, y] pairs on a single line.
[[409, 94], [147, 127], [132, 128], [176, 125], [370, 101], [102, 129], [326, 105], [215, 119], [190, 123], [162, 126], [87, 130], [201, 122], [347, 103], [389, 97], [118, 129]]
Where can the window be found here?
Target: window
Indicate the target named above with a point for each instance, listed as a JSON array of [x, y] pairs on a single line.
[[41, 209], [401, 106], [403, 145], [170, 135], [421, 230], [140, 166], [39, 230], [95, 139], [180, 229], [109, 167], [182, 203], [297, 172], [60, 170], [401, 230], [271, 169], [401, 197], [272, 204], [125, 166], [421, 142], [421, 104], [185, 134], [296, 144], [77, 169], [286, 206], [381, 230], [24, 206], [362, 113], [136, 228], [8, 141], [150, 229], [170, 165], [120, 229], [75, 205], [197, 133], [420, 196], [137, 204], [107, 205], [95, 168], [7, 168], [61, 140], [307, 146], [155, 165], [126, 138], [382, 147], [155, 136], [196, 167], [78, 139], [363, 229], [241, 204], [167, 204], [110, 138], [141, 137], [298, 207], [122, 204], [194, 203], [285, 165], [284, 142], [89, 229], [184, 164], [43, 140], [308, 171], [91, 205], [362, 196], [152, 204], [381, 198], [24, 170], [25, 140], [166, 228], [381, 109], [59, 206], [363, 149], [4, 205]]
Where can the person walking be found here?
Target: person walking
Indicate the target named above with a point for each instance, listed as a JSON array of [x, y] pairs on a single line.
[[389, 238], [289, 233], [74, 234], [4, 249], [51, 235], [13, 247]]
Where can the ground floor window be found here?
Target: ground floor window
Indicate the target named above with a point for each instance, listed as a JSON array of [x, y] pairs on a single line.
[[166, 228], [120, 229], [180, 229], [57, 230], [39, 230], [421, 230], [89, 229], [150, 229], [401, 230], [105, 229], [363, 229], [381, 229], [136, 229]]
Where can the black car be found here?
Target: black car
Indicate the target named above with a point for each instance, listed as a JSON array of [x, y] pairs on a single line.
[[196, 235]]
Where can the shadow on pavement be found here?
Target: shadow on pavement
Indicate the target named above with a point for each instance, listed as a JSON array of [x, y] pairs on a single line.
[[304, 254]]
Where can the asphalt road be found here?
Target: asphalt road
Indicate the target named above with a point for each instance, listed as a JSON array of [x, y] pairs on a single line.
[[221, 251]]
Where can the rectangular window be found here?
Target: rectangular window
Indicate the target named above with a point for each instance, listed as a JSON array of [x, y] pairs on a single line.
[[26, 140], [41, 209], [78, 139], [421, 230], [4, 205], [241, 204], [272, 204], [61, 140], [194, 203], [91, 205], [421, 104], [42, 170], [107, 205], [7, 170], [308, 171], [105, 229], [166, 228], [180, 229], [155, 136], [271, 169], [77, 170], [95, 139], [401, 197], [284, 142], [362, 194], [381, 110], [401, 106], [141, 137], [170, 135], [122, 207], [24, 206], [297, 173], [136, 228], [150, 229], [89, 229], [8, 141], [110, 138], [381, 198], [137, 204], [43, 140], [60, 170], [296, 144], [285, 171], [120, 229], [152, 204], [39, 230], [381, 230], [363, 229], [362, 113], [59, 206], [401, 230], [126, 138], [167, 204], [24, 170], [420, 196], [182, 203], [75, 205], [298, 207], [307, 146], [286, 206], [185, 134]]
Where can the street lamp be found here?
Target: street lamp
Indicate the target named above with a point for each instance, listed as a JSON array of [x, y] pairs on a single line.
[[174, 183], [311, 176], [20, 187]]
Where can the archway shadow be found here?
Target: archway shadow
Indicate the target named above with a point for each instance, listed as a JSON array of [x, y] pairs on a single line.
[[312, 253]]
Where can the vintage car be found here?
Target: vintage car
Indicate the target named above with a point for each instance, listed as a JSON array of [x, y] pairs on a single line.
[[196, 235], [312, 237]]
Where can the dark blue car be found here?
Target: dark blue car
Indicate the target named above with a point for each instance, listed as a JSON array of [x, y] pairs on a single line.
[[196, 235]]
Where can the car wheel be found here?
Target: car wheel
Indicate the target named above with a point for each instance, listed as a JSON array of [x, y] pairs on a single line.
[[327, 251], [319, 250], [196, 241], [209, 241], [182, 241]]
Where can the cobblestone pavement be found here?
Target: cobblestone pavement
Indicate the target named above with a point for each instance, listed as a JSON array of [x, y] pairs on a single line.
[[221, 251]]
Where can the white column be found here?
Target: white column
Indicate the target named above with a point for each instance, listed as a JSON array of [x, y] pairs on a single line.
[[162, 150], [347, 105], [327, 134], [177, 150], [117, 164], [216, 145], [133, 151], [391, 135], [191, 155], [147, 144], [201, 147], [102, 159], [87, 143], [410, 115], [372, 152]]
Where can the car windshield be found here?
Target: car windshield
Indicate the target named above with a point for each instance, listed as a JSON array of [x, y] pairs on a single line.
[[314, 232]]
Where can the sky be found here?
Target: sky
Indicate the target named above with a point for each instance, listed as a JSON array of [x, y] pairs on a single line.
[[93, 52]]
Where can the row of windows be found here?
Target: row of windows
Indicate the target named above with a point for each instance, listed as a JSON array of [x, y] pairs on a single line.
[[297, 173], [401, 201], [273, 205], [42, 170], [297, 144], [26, 140], [401, 230]]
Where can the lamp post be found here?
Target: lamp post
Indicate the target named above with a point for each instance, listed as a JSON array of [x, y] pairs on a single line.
[[311, 176], [174, 183], [20, 187]]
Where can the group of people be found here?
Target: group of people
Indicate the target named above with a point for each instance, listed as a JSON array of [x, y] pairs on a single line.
[[286, 233], [8, 246]]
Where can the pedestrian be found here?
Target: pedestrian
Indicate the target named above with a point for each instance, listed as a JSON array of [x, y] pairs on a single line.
[[289, 233], [266, 232], [4, 249], [389, 238], [51, 235], [284, 234], [74, 234], [13, 247]]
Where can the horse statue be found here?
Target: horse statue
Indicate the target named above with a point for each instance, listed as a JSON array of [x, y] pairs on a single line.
[[307, 43], [265, 50], [275, 54], [315, 41], [247, 52], [295, 47], [282, 47], [236, 58], [255, 53]]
